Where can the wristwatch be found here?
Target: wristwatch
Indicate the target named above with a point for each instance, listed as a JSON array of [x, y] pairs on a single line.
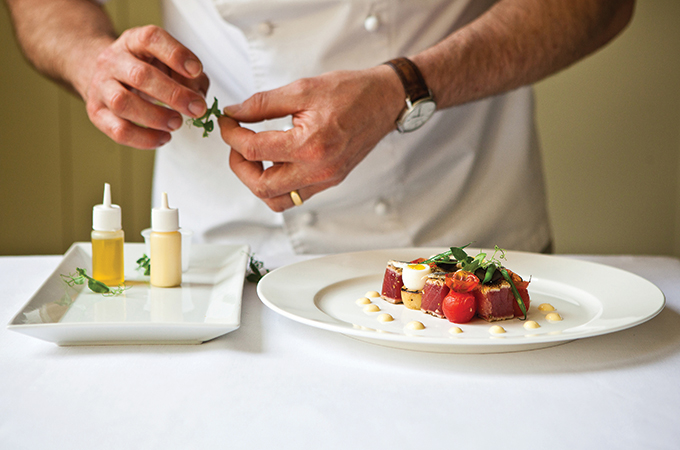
[[420, 104]]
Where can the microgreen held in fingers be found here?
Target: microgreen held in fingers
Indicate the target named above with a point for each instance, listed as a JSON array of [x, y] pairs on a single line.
[[257, 270], [204, 121], [97, 286], [144, 263]]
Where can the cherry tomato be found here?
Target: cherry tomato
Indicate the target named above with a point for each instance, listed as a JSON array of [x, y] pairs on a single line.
[[459, 307], [462, 281]]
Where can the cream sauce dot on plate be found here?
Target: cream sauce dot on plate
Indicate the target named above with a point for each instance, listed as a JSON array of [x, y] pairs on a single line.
[[546, 307], [371, 308], [553, 317], [455, 330], [384, 317], [415, 325], [531, 324], [496, 329], [372, 294], [363, 301]]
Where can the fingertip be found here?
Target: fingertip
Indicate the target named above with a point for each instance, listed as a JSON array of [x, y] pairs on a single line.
[[164, 139], [193, 67], [231, 110], [175, 123], [227, 122], [198, 107]]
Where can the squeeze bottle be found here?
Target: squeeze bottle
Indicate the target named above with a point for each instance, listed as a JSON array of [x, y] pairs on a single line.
[[107, 242], [166, 246]]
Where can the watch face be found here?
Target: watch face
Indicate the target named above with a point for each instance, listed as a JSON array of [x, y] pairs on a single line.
[[420, 113]]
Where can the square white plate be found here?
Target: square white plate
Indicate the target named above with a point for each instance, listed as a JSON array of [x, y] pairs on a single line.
[[205, 306]]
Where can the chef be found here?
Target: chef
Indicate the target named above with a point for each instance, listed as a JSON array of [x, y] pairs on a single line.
[[349, 125]]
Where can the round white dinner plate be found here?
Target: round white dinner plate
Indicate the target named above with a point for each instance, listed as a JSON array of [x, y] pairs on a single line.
[[592, 299]]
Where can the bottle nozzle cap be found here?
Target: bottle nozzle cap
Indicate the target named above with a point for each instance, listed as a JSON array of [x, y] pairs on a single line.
[[106, 217], [164, 219]]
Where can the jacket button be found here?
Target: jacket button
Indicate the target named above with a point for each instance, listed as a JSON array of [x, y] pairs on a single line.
[[308, 219], [372, 23], [381, 208], [265, 28]]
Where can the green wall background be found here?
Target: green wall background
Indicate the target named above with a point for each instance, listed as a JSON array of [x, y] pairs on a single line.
[[610, 128]]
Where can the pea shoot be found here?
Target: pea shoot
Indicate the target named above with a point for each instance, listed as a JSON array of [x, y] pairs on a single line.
[[81, 276], [204, 121], [256, 269], [144, 263]]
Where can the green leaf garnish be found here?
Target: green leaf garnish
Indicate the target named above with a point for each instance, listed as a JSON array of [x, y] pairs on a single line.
[[489, 273], [515, 292], [81, 276], [471, 264], [204, 121], [144, 263], [256, 268]]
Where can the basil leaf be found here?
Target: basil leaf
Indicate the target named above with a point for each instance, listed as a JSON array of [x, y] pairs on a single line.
[[489, 273], [459, 253]]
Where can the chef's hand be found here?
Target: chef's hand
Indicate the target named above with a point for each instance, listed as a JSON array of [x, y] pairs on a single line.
[[338, 118], [142, 67]]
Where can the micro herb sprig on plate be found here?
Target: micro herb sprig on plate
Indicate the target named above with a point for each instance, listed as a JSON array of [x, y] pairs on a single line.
[[256, 269], [204, 121], [97, 286], [457, 255], [144, 263]]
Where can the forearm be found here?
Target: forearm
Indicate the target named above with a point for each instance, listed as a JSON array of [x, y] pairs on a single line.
[[518, 42], [62, 38]]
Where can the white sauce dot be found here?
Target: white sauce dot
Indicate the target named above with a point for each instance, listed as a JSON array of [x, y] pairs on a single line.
[[553, 317], [363, 301], [415, 325], [455, 330], [546, 307], [384, 317], [531, 325], [372, 294], [371, 308], [496, 329]]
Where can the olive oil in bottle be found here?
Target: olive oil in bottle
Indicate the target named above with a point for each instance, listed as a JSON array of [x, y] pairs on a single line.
[[107, 242]]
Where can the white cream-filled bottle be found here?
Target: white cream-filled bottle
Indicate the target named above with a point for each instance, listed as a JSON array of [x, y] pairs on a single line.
[[166, 246], [107, 242]]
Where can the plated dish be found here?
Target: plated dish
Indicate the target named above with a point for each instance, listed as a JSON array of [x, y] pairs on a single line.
[[207, 305], [592, 299]]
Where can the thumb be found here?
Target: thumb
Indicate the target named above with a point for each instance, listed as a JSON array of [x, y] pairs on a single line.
[[264, 106]]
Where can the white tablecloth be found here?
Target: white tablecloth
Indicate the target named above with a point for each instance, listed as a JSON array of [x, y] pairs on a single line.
[[275, 383]]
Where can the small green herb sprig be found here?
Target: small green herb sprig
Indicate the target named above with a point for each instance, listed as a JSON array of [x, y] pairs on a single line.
[[79, 278], [472, 264], [257, 270], [204, 121], [144, 263]]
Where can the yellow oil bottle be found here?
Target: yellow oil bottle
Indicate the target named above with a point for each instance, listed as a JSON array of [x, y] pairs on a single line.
[[107, 242]]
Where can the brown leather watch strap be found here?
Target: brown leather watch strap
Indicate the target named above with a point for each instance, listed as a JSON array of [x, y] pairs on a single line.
[[411, 78]]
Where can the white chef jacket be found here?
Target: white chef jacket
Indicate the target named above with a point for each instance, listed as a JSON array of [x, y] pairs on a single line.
[[471, 174]]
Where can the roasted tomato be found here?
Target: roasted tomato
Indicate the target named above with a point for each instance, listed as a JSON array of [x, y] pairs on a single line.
[[459, 307], [462, 281]]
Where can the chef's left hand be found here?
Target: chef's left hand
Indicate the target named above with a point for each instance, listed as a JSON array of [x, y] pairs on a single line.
[[338, 118]]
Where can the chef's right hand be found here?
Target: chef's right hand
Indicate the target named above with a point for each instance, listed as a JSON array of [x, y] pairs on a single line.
[[142, 67]]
